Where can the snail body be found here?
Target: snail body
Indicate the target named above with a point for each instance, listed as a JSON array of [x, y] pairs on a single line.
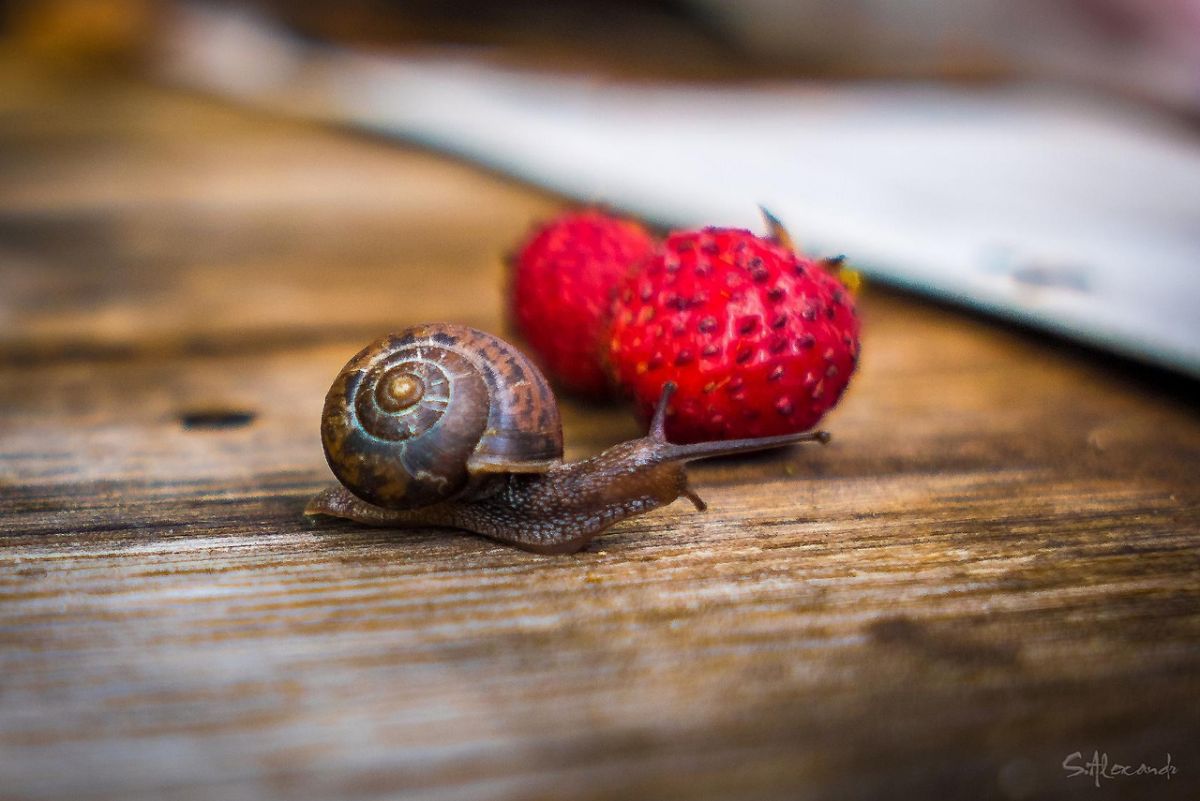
[[447, 426]]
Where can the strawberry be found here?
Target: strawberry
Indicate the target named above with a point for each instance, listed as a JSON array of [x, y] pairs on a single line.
[[562, 283], [757, 340]]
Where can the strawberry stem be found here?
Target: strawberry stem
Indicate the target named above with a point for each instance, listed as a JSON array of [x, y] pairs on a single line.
[[777, 229]]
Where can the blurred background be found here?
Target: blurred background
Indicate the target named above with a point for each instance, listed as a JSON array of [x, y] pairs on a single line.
[[1149, 49], [1033, 159]]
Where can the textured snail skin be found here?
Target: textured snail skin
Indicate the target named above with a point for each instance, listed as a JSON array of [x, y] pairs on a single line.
[[559, 511], [524, 496]]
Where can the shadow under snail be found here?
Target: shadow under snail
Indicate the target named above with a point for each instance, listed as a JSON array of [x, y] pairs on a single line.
[[445, 426]]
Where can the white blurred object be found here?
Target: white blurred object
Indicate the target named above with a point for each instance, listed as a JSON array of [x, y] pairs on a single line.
[[1149, 48], [1042, 207]]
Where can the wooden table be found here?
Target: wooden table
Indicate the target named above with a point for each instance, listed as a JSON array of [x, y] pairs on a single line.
[[994, 564]]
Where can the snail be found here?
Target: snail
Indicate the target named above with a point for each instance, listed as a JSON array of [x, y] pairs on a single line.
[[446, 426]]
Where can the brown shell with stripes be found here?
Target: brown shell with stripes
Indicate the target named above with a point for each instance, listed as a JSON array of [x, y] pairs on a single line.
[[438, 412]]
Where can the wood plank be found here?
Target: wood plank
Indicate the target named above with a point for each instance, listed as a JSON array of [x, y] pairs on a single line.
[[993, 565], [180, 225]]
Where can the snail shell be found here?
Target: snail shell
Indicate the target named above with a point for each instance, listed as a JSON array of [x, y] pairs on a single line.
[[437, 412]]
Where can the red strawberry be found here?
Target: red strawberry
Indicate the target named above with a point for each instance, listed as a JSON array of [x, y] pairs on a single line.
[[563, 281], [757, 340]]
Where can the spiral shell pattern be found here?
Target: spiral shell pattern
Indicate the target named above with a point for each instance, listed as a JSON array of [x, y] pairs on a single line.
[[427, 414]]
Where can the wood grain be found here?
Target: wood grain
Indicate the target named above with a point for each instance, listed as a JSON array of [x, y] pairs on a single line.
[[992, 566]]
